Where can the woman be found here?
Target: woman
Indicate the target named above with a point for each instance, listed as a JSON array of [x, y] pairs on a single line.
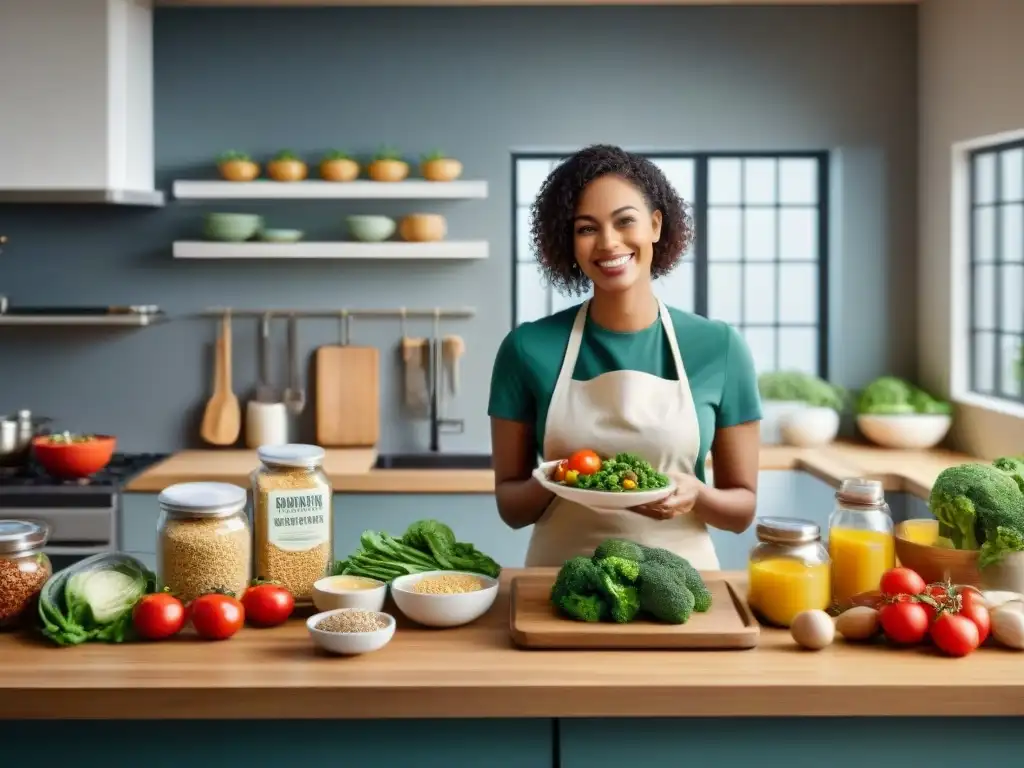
[[622, 372]]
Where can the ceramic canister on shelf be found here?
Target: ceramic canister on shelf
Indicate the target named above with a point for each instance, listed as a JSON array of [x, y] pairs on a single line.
[[265, 424]]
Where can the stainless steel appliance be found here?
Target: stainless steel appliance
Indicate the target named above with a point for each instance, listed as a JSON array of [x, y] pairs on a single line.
[[16, 433], [83, 515]]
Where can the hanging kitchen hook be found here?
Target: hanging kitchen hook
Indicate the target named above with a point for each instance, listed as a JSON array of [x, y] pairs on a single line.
[[345, 327]]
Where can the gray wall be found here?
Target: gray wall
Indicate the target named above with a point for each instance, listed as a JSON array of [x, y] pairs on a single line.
[[478, 83]]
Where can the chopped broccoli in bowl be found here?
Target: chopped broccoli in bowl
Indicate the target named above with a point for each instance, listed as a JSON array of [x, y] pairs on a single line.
[[892, 396]]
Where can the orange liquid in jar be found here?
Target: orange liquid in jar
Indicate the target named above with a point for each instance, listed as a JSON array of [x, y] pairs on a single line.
[[782, 587], [859, 558]]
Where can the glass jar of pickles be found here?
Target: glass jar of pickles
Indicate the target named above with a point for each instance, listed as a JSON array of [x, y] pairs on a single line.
[[861, 541], [788, 571]]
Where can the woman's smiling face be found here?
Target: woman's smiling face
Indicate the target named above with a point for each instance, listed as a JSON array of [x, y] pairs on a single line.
[[614, 233]]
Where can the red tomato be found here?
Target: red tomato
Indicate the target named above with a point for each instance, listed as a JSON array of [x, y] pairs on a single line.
[[217, 617], [267, 605], [974, 610], [158, 616], [904, 623], [901, 581], [955, 635], [585, 462]]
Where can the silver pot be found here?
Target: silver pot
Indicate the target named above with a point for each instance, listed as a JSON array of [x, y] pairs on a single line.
[[16, 434]]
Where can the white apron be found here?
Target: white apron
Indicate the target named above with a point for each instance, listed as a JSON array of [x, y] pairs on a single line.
[[620, 411]]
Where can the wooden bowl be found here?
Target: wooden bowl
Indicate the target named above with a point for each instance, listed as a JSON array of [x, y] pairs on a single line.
[[934, 563], [423, 228], [73, 460]]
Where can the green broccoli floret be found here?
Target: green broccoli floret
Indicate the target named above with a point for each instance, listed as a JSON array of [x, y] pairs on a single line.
[[971, 501], [663, 593], [624, 548], [622, 599], [691, 575], [583, 607], [1013, 467], [577, 576], [620, 568], [1004, 542]]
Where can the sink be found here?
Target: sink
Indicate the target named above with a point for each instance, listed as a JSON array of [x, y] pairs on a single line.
[[434, 461]]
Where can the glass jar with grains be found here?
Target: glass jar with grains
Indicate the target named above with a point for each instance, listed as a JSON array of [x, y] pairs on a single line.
[[204, 543], [292, 517], [24, 568]]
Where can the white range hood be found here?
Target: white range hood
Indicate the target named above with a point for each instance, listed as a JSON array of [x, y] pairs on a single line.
[[76, 99]]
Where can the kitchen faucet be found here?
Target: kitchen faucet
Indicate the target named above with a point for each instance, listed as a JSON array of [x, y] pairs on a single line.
[[437, 422]]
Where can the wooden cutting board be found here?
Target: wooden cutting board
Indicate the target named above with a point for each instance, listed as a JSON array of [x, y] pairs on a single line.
[[347, 396], [729, 624]]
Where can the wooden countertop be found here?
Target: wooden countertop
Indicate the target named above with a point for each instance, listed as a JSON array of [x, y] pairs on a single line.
[[351, 470], [475, 671]]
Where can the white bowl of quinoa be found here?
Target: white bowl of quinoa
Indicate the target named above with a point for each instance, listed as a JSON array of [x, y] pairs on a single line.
[[444, 598], [351, 631]]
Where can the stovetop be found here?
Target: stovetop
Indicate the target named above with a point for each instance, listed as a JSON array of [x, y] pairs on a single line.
[[122, 468]]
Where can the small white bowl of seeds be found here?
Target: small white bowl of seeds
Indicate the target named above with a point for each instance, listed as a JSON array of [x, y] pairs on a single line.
[[444, 598], [351, 631]]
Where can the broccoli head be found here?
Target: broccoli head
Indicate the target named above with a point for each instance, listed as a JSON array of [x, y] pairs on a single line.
[[1013, 467], [1000, 544], [622, 599], [620, 568], [624, 548], [577, 593], [971, 501], [583, 607], [664, 594], [691, 576]]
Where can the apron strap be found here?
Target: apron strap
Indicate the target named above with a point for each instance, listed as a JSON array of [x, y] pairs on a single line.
[[673, 343], [572, 349]]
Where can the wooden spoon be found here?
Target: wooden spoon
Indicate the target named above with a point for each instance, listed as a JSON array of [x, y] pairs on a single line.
[[222, 420]]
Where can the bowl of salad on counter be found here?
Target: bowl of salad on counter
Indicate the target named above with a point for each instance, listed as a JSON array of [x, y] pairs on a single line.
[[72, 456], [613, 483], [893, 413], [444, 598]]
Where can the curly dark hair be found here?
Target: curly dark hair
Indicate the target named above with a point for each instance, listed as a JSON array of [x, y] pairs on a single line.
[[553, 212]]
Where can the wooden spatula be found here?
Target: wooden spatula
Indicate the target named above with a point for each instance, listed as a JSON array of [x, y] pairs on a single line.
[[222, 419]]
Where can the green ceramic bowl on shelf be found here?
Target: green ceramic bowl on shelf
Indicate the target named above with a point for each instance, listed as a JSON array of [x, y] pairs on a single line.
[[232, 227], [281, 235], [370, 229]]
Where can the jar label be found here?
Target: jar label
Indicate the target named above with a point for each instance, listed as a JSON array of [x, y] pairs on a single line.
[[298, 520]]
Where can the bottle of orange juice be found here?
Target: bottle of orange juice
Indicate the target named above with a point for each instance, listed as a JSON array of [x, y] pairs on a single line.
[[788, 570], [861, 542]]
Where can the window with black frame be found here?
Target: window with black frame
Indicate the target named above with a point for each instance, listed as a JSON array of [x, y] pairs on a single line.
[[997, 271], [759, 257]]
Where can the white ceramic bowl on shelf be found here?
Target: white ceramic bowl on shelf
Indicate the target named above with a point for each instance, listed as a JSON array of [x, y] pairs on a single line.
[[809, 427], [451, 610], [915, 431], [350, 643]]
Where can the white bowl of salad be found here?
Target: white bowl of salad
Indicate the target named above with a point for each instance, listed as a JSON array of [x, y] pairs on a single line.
[[612, 482]]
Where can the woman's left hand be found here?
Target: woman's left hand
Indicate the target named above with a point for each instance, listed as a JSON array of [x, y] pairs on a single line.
[[681, 502]]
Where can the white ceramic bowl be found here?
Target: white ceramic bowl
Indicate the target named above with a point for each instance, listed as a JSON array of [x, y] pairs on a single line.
[[810, 427], [914, 431], [774, 413], [328, 595], [349, 643], [599, 499], [443, 610]]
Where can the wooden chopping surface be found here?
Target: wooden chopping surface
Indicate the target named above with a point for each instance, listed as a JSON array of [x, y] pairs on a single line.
[[347, 396], [729, 624]]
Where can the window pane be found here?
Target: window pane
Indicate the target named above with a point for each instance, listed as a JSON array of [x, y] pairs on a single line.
[[759, 180], [762, 347], [1012, 220], [724, 181], [985, 178], [1011, 286], [724, 292], [676, 288], [530, 174], [524, 250], [1011, 173], [984, 298], [1011, 384], [680, 175], [984, 234], [798, 349], [798, 181], [759, 294], [531, 293], [724, 234], [984, 361], [759, 234], [798, 287], [798, 234]]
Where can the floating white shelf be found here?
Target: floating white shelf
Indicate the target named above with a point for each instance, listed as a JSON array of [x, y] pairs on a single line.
[[330, 190], [115, 321], [201, 249]]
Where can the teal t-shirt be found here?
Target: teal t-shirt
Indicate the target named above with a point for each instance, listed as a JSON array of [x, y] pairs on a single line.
[[716, 358]]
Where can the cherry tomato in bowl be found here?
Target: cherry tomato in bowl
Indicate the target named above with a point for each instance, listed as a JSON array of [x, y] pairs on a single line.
[[216, 617], [585, 462], [267, 605], [158, 616]]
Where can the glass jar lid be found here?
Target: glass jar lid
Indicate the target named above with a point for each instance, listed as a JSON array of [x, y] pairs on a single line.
[[861, 492], [18, 536], [291, 455], [787, 530], [202, 499]]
